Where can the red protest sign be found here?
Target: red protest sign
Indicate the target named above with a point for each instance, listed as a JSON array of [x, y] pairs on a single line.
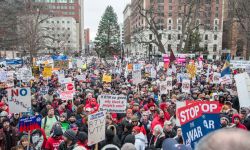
[[209, 107], [188, 113]]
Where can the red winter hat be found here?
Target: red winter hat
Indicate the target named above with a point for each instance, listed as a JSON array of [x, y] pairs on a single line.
[[2, 104], [151, 104], [137, 129], [163, 106]]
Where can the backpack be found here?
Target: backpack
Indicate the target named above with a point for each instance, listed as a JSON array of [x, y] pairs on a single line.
[[45, 121]]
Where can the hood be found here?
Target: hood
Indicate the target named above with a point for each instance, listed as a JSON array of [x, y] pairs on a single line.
[[140, 136], [235, 116]]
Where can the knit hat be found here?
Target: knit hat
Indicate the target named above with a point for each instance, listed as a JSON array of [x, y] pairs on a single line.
[[109, 134], [6, 120], [128, 146], [171, 144], [82, 137], [134, 118], [70, 134], [129, 139], [57, 131], [137, 128]]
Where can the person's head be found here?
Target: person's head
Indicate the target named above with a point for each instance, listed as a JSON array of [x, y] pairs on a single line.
[[129, 113], [34, 102], [57, 131], [225, 139], [24, 140], [63, 117], [128, 146], [89, 95], [243, 113], [134, 120], [136, 130], [136, 107], [6, 123], [51, 112], [128, 127], [72, 118], [16, 115], [145, 116], [82, 137], [157, 130], [69, 136], [18, 147], [168, 126], [224, 121], [236, 120], [160, 113], [179, 132]]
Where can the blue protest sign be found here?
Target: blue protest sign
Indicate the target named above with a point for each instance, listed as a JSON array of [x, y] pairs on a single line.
[[30, 123]]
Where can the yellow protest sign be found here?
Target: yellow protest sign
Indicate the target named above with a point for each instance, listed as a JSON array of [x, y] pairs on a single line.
[[191, 70], [106, 78], [47, 72], [84, 66], [130, 67]]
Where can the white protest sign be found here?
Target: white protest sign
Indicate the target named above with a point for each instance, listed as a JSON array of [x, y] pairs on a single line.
[[113, 103], [179, 105], [136, 67], [174, 68], [96, 128], [153, 73], [61, 74], [169, 72], [3, 76], [19, 100], [239, 63], [163, 87], [169, 83], [226, 80], [26, 74], [67, 95], [243, 88], [216, 77], [64, 80], [81, 77], [79, 63], [136, 75], [186, 86]]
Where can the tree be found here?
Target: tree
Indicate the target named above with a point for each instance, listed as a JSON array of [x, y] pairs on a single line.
[[107, 41]]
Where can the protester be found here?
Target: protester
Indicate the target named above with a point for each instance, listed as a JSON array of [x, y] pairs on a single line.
[[140, 139]]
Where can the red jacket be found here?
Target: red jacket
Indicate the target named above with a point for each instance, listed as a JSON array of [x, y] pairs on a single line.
[[239, 125], [157, 121]]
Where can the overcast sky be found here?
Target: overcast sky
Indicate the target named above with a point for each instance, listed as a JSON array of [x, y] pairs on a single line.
[[94, 10]]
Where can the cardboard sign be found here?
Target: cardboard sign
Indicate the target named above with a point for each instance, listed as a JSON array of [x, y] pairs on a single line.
[[44, 90], [106, 78], [243, 88], [136, 75], [19, 100], [163, 87], [26, 74], [113, 103], [191, 121], [226, 80], [169, 83], [153, 73], [61, 64], [84, 66], [130, 67], [3, 76], [137, 67], [96, 128], [47, 72], [81, 78], [64, 80], [216, 77], [67, 95], [186, 86], [31, 123]]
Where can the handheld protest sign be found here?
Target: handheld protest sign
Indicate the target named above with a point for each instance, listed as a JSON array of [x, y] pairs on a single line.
[[113, 103], [191, 121]]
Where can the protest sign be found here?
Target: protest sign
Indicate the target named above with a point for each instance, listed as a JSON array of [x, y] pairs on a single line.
[[136, 75], [61, 64], [130, 67], [70, 86], [79, 63], [191, 69], [113, 103], [28, 124], [226, 80], [169, 72], [44, 90], [65, 80], [61, 74], [19, 100], [47, 72], [136, 67], [26, 74], [243, 88], [186, 86], [67, 95], [84, 66], [191, 121], [239, 63], [35, 71], [216, 77], [81, 78], [153, 73], [163, 87], [148, 68], [169, 83], [3, 76], [106, 78], [96, 127]]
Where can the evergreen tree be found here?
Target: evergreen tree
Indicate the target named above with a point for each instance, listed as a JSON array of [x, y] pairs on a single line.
[[107, 41]]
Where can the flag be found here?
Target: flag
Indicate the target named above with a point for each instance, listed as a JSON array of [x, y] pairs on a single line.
[[172, 57], [226, 68]]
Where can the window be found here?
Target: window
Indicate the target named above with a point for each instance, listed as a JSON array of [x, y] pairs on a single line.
[[217, 8], [58, 22], [52, 21], [160, 1], [214, 48], [62, 21], [160, 8], [169, 47], [216, 22], [150, 36], [169, 1], [206, 37], [170, 8], [160, 36], [214, 56], [178, 47], [169, 27], [47, 21], [58, 28], [68, 28], [216, 28], [62, 1], [217, 2], [179, 21], [179, 28], [217, 15], [71, 1], [179, 7], [68, 21], [215, 37], [170, 14], [68, 41], [179, 36], [205, 47], [169, 37], [170, 21]]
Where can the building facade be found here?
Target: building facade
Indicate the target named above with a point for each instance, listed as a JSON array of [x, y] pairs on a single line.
[[68, 8], [87, 40], [173, 25], [127, 28]]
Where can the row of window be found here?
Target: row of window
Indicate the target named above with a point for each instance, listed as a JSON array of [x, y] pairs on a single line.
[[179, 37], [61, 7], [180, 1], [57, 21], [55, 1], [58, 28], [205, 47]]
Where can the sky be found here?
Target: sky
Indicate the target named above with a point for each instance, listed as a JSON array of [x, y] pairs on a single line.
[[94, 9]]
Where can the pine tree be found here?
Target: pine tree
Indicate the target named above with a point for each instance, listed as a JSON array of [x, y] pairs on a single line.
[[107, 41]]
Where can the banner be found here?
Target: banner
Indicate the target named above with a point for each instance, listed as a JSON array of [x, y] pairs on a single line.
[[31, 123], [106, 78], [96, 128], [186, 86], [61, 64], [136, 75], [19, 100], [79, 63], [113, 103], [169, 83], [163, 87], [64, 80], [243, 83], [216, 78], [67, 95], [81, 78], [47, 72], [191, 121], [226, 80], [26, 74]]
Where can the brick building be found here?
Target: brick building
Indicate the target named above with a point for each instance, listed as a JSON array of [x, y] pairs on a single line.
[[127, 27], [206, 16]]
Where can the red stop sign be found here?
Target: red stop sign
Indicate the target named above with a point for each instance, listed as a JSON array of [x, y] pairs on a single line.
[[70, 87]]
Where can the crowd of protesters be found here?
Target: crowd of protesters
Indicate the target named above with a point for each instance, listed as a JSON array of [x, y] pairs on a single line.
[[149, 119]]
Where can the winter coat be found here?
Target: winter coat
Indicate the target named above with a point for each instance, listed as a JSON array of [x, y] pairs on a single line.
[[157, 121], [13, 133], [239, 125], [140, 141], [63, 146]]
